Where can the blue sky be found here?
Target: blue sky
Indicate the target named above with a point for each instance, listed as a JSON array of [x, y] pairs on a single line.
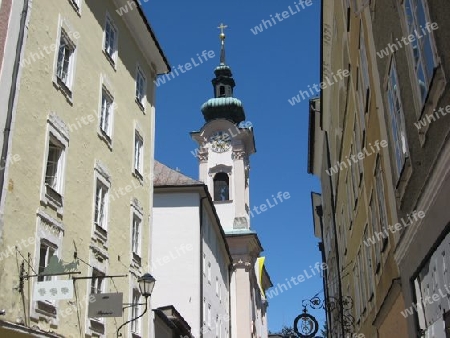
[[269, 68]]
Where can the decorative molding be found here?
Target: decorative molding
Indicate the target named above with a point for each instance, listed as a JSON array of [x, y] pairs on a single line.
[[220, 168], [243, 263], [102, 170], [59, 125], [48, 220], [137, 206], [202, 154], [238, 155], [98, 253]]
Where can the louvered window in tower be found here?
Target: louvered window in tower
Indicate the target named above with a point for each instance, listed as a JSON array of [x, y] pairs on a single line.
[[221, 187]]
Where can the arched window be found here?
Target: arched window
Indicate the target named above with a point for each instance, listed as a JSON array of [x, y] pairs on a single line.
[[221, 91], [221, 187]]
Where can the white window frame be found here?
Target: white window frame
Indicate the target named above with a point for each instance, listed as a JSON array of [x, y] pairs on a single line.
[[51, 231], [106, 111], [375, 228], [369, 265], [112, 53], [418, 62], [381, 201], [136, 247], [65, 30], [209, 272], [136, 325], [396, 121], [138, 154], [209, 315], [101, 176], [57, 132], [101, 205], [141, 88], [136, 212], [204, 311]]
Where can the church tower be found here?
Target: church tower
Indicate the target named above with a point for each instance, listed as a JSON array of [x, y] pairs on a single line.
[[225, 144]]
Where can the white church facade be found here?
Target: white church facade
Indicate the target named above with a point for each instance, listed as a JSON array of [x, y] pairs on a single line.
[[218, 286]]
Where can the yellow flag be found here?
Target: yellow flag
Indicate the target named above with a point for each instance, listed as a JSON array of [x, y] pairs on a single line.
[[261, 266]]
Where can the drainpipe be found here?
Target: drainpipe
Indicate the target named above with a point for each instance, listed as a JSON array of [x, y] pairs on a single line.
[[12, 97]]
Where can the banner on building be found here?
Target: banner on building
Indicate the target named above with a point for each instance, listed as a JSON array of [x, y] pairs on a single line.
[[105, 305], [53, 290]]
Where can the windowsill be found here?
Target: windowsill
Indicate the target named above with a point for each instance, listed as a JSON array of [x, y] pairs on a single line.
[[97, 325], [110, 59], [75, 7], [101, 233], [63, 88], [136, 174], [53, 199], [140, 105], [224, 202], [46, 308], [137, 260], [105, 138]]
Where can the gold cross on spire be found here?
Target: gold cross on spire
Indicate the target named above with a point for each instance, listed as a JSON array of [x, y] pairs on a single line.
[[222, 34]]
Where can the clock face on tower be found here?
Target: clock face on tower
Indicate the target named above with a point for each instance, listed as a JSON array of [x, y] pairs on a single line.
[[220, 141]]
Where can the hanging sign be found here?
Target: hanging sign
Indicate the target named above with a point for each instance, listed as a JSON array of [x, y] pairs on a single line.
[[105, 305], [53, 290]]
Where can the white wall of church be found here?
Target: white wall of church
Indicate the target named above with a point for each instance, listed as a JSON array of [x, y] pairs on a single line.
[[215, 281], [176, 254]]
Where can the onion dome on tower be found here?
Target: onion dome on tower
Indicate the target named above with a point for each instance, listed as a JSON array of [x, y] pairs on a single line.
[[223, 105]]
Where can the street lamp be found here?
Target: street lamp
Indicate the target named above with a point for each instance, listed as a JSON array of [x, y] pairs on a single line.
[[146, 285]]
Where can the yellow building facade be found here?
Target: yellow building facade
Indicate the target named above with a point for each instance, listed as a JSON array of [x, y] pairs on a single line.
[[78, 182], [349, 152]]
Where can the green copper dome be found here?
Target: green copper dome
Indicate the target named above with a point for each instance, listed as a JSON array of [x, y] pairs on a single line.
[[223, 105], [229, 108]]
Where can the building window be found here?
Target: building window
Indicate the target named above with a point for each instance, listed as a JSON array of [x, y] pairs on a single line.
[[101, 205], [136, 235], [141, 87], [136, 324], [106, 113], [362, 281], [55, 166], [363, 79], [204, 265], [376, 230], [217, 286], [110, 40], [221, 187], [422, 49], [369, 266], [381, 202], [209, 272], [217, 326], [138, 153], [204, 310], [65, 61], [46, 252], [397, 121], [209, 315], [97, 282]]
